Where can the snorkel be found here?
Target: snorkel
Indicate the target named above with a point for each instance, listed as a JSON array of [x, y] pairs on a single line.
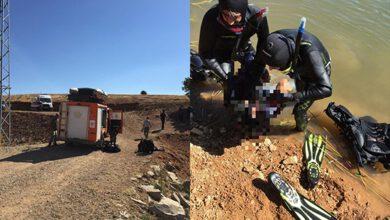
[[291, 71]]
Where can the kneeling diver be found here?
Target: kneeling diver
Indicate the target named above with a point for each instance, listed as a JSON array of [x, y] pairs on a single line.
[[311, 71]]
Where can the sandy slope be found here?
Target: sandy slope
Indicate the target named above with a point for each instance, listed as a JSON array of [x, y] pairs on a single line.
[[226, 171], [227, 186]]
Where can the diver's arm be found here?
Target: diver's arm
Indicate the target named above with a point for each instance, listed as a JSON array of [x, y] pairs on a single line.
[[262, 34], [207, 41], [259, 63], [323, 86], [207, 37], [257, 24]]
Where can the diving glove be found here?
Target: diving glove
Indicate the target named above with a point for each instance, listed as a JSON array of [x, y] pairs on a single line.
[[216, 67], [293, 97]]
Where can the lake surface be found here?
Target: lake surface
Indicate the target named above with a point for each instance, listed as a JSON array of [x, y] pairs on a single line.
[[356, 34]]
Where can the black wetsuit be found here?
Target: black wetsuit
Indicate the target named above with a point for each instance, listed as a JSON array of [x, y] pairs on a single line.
[[216, 42], [313, 66], [311, 73]]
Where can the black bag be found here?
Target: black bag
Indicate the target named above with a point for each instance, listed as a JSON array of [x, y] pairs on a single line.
[[87, 95], [370, 139], [146, 146]]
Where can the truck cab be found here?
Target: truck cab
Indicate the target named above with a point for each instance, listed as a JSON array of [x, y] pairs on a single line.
[[42, 102]]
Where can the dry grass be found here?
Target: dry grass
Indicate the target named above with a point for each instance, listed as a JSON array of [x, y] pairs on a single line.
[[112, 98]]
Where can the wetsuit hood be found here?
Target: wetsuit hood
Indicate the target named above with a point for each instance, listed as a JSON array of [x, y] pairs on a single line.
[[235, 6], [278, 51]]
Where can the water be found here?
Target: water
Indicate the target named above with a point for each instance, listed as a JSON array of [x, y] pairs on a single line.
[[356, 34]]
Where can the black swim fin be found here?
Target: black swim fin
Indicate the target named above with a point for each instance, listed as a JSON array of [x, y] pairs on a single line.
[[314, 152], [301, 207]]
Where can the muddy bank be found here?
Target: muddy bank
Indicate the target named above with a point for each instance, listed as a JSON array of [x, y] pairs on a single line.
[[228, 174], [232, 184]]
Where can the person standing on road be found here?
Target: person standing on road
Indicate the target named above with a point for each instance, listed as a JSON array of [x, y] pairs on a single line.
[[162, 118], [181, 112], [113, 131], [53, 126], [190, 114], [146, 127]]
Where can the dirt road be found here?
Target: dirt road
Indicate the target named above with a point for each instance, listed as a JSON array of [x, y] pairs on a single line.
[[39, 182]]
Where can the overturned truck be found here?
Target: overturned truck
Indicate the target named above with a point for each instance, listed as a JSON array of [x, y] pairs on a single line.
[[86, 119]]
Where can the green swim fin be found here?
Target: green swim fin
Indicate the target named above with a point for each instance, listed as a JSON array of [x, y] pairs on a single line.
[[301, 207], [314, 152]]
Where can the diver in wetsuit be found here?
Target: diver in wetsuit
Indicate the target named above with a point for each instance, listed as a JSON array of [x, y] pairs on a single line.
[[221, 27], [311, 73]]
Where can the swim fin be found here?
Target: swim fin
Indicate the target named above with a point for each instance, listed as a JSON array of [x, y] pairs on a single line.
[[301, 207], [314, 152]]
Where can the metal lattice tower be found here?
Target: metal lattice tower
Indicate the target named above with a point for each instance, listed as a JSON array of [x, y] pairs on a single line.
[[5, 89]]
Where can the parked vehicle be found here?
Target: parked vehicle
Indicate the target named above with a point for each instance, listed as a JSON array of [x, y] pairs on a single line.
[[87, 122], [42, 102]]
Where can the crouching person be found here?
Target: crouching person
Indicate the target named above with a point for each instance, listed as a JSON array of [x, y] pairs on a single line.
[[311, 72]]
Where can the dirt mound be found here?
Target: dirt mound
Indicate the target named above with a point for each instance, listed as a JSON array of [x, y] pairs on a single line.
[[28, 127], [122, 102], [31, 97], [177, 151], [228, 174], [232, 184]]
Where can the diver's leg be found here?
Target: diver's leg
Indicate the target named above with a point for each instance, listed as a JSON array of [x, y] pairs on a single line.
[[300, 114]]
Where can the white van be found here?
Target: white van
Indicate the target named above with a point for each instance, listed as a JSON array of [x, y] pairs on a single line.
[[42, 102]]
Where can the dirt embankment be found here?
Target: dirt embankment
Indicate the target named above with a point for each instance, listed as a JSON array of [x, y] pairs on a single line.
[[30, 127], [123, 102], [228, 179], [228, 175], [79, 182]]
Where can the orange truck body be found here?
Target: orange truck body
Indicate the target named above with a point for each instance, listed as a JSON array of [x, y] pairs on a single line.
[[85, 122]]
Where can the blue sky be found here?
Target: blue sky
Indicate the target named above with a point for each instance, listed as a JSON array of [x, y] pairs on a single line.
[[120, 46]]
